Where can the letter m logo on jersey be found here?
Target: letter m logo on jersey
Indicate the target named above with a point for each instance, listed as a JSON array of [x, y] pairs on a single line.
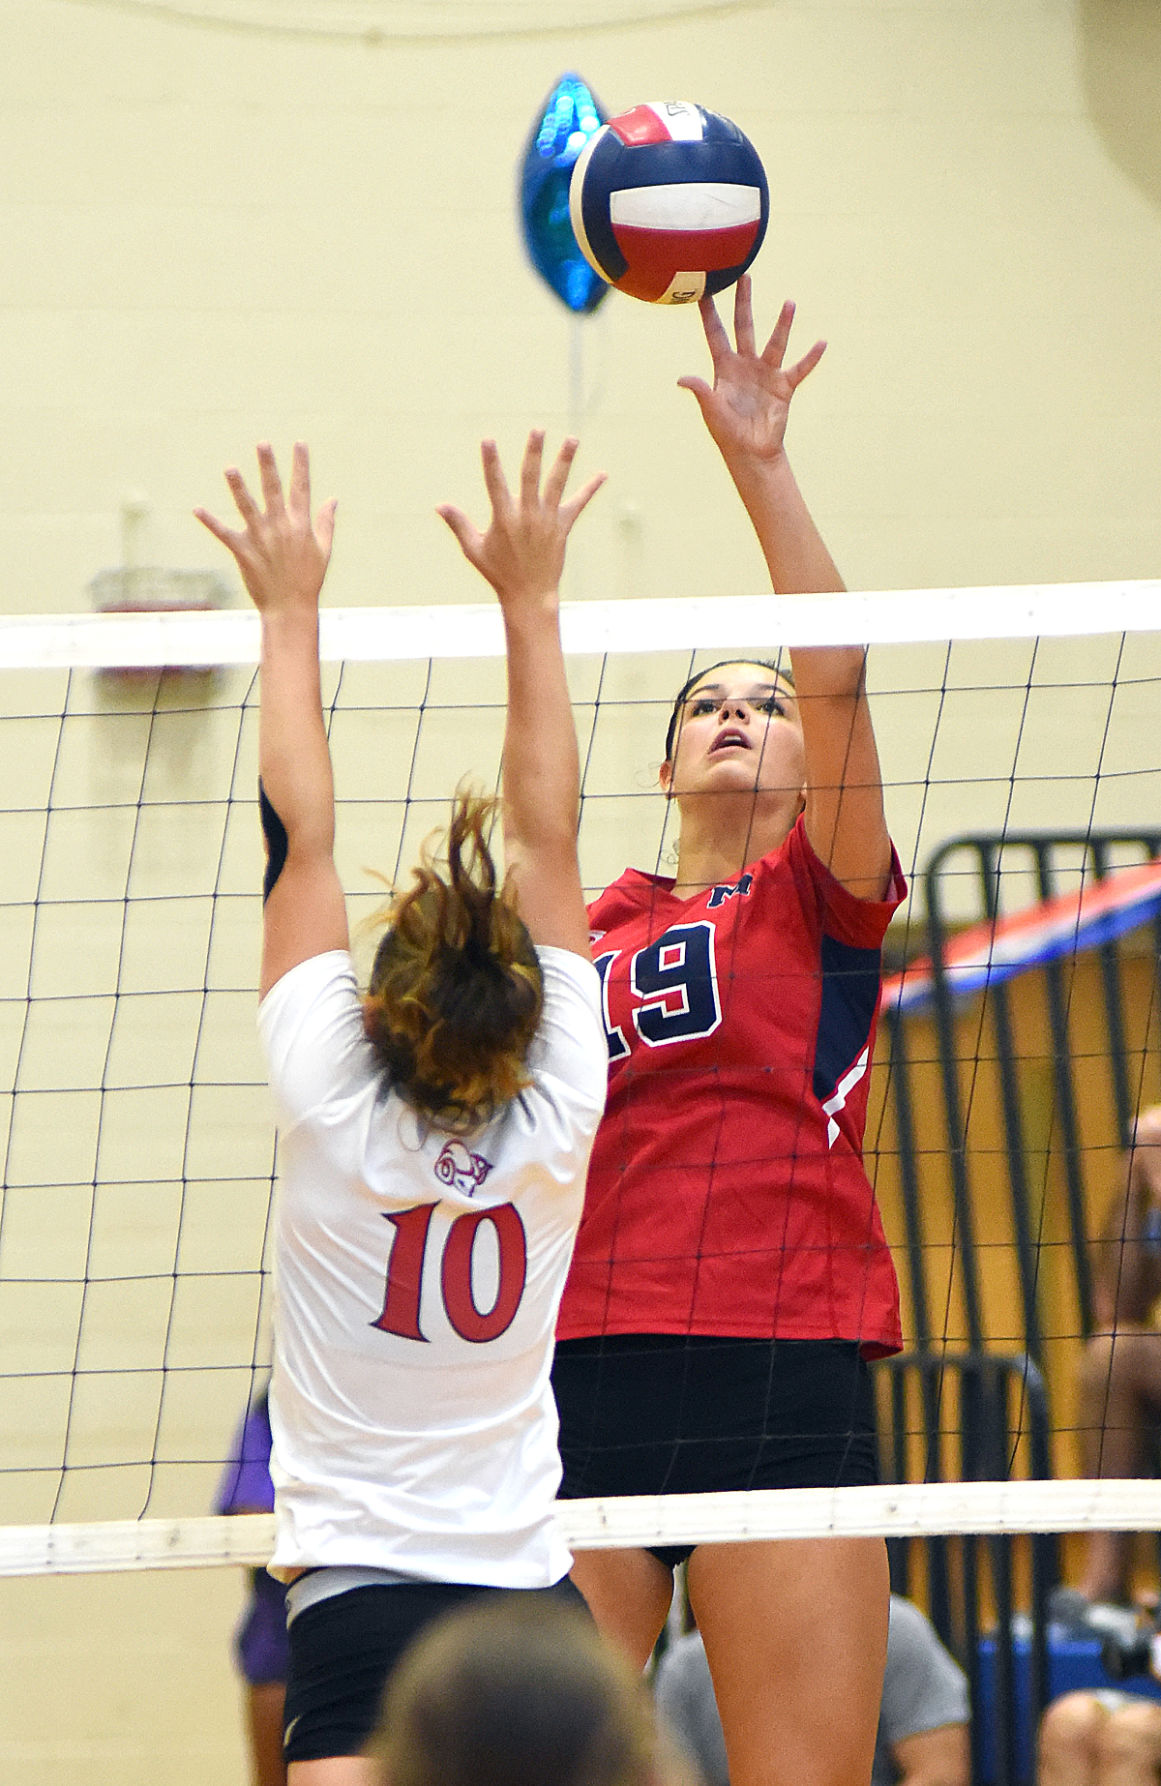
[[720, 894]]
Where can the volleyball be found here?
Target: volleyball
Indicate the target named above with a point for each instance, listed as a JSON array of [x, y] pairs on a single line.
[[669, 202]]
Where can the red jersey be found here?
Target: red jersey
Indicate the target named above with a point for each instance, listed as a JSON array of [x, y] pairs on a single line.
[[726, 1192]]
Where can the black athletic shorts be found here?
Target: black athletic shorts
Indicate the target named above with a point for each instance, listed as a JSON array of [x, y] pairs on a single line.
[[343, 1649], [644, 1414]]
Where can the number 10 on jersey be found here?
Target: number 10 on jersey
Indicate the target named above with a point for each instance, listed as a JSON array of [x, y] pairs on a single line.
[[405, 1272]]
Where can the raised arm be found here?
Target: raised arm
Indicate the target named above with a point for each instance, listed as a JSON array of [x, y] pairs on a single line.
[[522, 556], [746, 410], [282, 556]]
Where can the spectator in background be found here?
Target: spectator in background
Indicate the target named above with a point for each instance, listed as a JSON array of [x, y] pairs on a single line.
[[922, 1738], [260, 1639], [1102, 1738], [516, 1692], [1119, 1384]]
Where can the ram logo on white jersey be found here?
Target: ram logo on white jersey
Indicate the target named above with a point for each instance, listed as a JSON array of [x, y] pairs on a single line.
[[459, 1167]]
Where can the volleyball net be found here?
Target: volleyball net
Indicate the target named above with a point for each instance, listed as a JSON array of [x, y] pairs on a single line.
[[1022, 756]]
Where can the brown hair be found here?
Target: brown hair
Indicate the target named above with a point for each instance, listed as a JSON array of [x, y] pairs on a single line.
[[514, 1692], [455, 993]]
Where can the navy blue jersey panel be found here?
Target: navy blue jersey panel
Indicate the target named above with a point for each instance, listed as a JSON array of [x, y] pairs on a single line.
[[850, 989]]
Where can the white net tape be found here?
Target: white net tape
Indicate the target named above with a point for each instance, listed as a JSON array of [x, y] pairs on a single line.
[[913, 616], [901, 1510]]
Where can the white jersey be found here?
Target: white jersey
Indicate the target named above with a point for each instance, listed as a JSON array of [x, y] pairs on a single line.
[[417, 1281]]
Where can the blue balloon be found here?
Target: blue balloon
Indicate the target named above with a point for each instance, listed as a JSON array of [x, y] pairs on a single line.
[[569, 117]]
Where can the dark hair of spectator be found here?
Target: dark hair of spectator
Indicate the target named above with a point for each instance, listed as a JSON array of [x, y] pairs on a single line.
[[509, 1692]]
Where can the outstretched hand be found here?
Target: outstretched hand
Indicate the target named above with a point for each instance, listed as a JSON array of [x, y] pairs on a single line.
[[747, 405], [522, 553], [281, 554]]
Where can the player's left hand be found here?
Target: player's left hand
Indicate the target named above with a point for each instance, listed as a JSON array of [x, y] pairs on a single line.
[[747, 406], [281, 553]]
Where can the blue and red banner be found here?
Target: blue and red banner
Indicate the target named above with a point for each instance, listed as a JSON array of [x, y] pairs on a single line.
[[990, 953]]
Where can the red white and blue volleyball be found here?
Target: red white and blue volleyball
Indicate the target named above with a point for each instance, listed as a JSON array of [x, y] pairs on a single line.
[[669, 202]]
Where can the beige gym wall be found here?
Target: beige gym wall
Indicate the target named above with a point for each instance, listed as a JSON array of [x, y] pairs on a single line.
[[214, 231]]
